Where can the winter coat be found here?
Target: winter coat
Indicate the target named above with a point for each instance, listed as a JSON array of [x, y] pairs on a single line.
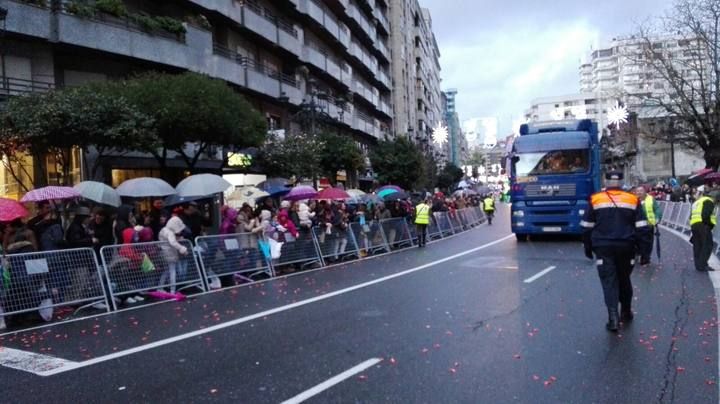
[[121, 223], [285, 225], [138, 234], [229, 223], [77, 236], [173, 249], [305, 215]]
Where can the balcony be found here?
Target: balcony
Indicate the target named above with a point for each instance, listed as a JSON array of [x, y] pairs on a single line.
[[27, 19], [256, 76], [316, 11], [357, 16], [256, 20], [261, 78], [11, 86], [384, 107], [122, 37], [383, 22], [314, 57], [384, 79]]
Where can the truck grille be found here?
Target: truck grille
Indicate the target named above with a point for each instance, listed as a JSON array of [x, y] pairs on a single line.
[[537, 190]]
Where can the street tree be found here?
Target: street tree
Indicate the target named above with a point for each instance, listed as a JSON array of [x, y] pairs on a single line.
[[690, 75], [56, 122], [337, 153], [291, 155], [398, 161], [192, 114], [449, 176]]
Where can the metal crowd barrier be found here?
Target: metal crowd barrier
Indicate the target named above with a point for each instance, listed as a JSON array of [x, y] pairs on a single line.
[[237, 256], [302, 252], [443, 221], [455, 222], [370, 238], [397, 233], [140, 267], [44, 281], [336, 244], [47, 280], [676, 215]]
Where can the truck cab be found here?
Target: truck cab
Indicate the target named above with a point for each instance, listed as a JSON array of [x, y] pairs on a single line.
[[554, 168]]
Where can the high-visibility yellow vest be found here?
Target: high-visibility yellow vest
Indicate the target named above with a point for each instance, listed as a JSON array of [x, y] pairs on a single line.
[[489, 204], [422, 214], [696, 213], [649, 204]]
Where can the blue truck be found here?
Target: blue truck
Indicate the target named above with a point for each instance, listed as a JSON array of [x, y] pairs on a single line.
[[554, 168]]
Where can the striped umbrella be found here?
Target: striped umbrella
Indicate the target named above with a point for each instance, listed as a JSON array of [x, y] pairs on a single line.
[[51, 193], [11, 209]]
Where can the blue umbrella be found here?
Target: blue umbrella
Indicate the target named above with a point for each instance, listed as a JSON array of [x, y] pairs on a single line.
[[275, 186]]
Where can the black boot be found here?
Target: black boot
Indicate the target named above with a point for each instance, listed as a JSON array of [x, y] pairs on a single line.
[[626, 314], [613, 320]]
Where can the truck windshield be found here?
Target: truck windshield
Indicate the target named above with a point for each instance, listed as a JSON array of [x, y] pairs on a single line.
[[552, 162]]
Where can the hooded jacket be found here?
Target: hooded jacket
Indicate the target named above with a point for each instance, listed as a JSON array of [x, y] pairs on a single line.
[[168, 234], [229, 223]]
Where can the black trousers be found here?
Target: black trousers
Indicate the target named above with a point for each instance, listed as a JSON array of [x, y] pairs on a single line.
[[645, 243], [702, 242], [615, 264], [422, 234]]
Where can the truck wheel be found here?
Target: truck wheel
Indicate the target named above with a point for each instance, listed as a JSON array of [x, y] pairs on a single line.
[[521, 237]]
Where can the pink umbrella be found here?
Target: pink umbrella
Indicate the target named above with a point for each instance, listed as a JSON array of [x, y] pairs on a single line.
[[301, 192], [332, 193], [51, 193], [11, 210]]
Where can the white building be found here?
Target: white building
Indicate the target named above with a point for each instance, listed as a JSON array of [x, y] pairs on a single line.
[[572, 106], [616, 73]]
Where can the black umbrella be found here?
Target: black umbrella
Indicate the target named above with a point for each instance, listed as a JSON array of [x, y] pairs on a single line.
[[174, 200]]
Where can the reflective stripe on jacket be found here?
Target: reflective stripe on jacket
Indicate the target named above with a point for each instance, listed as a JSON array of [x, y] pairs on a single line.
[[489, 204], [697, 211], [649, 204], [613, 218], [422, 214]]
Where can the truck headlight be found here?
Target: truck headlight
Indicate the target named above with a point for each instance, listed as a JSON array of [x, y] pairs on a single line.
[[581, 212], [520, 224], [518, 213]]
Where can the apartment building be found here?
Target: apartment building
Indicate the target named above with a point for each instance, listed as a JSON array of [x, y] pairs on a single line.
[[285, 56], [616, 73], [417, 100]]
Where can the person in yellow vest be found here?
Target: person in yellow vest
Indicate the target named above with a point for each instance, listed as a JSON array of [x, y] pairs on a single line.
[[654, 216], [489, 208], [422, 220], [702, 221]]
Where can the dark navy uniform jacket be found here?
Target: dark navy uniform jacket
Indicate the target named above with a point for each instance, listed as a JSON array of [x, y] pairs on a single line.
[[613, 219]]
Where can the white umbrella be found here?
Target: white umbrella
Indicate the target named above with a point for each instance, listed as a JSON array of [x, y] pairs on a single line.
[[247, 195], [145, 187], [99, 192], [202, 184]]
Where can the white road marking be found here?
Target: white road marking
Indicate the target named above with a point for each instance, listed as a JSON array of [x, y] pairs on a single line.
[[539, 274], [31, 362], [69, 365], [332, 381]]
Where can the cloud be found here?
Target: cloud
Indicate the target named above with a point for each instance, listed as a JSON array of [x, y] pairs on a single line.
[[501, 55], [498, 74]]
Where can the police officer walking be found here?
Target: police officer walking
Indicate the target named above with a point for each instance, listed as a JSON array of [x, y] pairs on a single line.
[[702, 222], [422, 220], [489, 207], [610, 227], [653, 215]]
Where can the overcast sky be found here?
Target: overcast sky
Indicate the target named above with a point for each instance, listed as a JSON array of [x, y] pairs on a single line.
[[500, 55]]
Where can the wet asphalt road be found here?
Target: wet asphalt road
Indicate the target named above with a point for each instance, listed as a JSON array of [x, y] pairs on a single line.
[[467, 330]]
